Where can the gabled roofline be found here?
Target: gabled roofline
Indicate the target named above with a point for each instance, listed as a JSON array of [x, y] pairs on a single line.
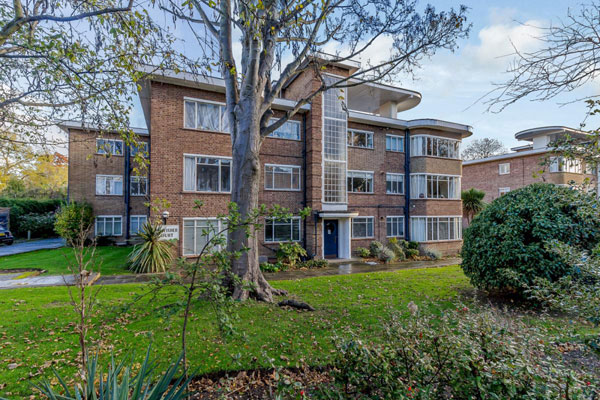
[[67, 125]]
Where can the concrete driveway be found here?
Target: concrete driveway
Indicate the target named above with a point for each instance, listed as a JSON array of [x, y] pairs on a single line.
[[25, 247]]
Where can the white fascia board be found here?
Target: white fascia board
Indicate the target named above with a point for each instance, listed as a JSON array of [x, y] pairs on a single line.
[[355, 116], [507, 156], [66, 125]]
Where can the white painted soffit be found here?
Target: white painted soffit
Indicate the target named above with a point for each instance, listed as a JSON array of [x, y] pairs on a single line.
[[66, 125], [529, 134], [507, 156], [370, 96]]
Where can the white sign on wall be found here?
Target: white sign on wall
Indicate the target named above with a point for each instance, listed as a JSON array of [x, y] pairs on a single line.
[[170, 232]]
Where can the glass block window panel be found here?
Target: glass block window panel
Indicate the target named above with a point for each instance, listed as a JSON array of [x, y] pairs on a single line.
[[109, 225], [206, 174], [435, 229], [358, 138], [334, 140], [394, 226], [136, 222], [204, 115], [109, 146], [334, 182], [109, 185], [394, 183], [362, 227], [289, 130], [139, 186], [360, 182], [197, 234], [435, 147], [434, 186], [282, 177], [394, 143], [286, 230]]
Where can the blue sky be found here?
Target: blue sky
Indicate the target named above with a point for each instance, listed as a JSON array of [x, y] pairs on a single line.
[[451, 83]]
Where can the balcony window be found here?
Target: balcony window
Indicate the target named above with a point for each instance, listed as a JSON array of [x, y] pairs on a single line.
[[432, 229], [425, 186], [434, 146]]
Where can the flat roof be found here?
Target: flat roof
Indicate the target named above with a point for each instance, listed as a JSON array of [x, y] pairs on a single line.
[[529, 134], [507, 156], [66, 125]]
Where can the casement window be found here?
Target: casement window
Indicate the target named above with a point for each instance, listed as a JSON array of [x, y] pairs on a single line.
[[560, 164], [362, 227], [205, 115], [424, 186], [394, 143], [109, 185], [109, 146], [282, 230], [432, 229], [358, 138], [504, 169], [142, 148], [136, 222], [360, 181], [394, 183], [207, 174], [138, 186], [434, 146], [109, 225], [282, 177], [394, 226], [289, 130], [198, 234], [503, 190]]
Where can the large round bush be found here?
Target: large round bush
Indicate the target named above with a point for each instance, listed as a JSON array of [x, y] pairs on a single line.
[[506, 244]]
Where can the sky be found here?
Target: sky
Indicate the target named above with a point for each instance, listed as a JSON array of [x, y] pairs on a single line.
[[452, 83]]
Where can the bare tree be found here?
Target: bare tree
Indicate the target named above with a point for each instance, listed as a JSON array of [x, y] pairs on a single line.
[[298, 31], [483, 148]]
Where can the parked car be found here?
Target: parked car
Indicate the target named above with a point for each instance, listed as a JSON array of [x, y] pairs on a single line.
[[6, 237]]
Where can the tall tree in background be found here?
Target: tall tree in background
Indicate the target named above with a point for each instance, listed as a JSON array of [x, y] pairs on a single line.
[[69, 59], [483, 148], [280, 39]]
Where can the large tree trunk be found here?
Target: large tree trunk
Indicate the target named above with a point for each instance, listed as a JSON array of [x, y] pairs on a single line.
[[245, 186]]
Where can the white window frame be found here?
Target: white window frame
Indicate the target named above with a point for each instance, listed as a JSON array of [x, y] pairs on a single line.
[[100, 176], [144, 149], [503, 190], [414, 190], [140, 225], [350, 134], [196, 156], [102, 149], [138, 178], [395, 219], [400, 184], [504, 169], [457, 225], [219, 227], [559, 165], [349, 174], [273, 188], [222, 108], [289, 121], [398, 139], [367, 220], [113, 224], [273, 222], [417, 150]]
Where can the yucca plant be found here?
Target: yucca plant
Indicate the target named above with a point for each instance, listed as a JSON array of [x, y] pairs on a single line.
[[121, 382], [153, 255]]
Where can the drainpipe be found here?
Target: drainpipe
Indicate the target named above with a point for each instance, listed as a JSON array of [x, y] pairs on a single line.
[[407, 184], [304, 199], [127, 174]]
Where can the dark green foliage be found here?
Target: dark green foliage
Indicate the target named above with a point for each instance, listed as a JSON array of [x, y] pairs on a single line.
[[21, 207], [40, 225], [397, 248], [363, 252], [413, 245], [314, 263], [375, 247], [153, 255], [505, 245], [387, 255], [72, 219], [411, 253], [290, 253], [268, 267]]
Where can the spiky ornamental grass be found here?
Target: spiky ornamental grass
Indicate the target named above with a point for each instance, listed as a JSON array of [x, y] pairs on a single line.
[[153, 255]]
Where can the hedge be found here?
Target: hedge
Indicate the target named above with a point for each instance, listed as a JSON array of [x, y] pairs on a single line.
[[22, 207]]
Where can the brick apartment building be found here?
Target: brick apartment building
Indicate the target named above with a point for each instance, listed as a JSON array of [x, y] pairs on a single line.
[[365, 174], [524, 165]]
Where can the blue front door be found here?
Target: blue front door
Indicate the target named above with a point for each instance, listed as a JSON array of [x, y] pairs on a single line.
[[330, 238]]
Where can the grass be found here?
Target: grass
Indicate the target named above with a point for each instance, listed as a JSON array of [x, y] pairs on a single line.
[[112, 260], [36, 329]]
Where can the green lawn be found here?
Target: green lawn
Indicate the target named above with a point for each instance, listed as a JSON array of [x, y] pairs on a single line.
[[35, 329], [112, 260]]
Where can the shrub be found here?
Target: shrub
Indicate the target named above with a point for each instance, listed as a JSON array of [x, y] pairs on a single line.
[[21, 207], [412, 245], [433, 254], [387, 255], [505, 245], [375, 247], [397, 249], [290, 253], [72, 219], [152, 255], [363, 252], [458, 355], [40, 225], [314, 263], [268, 267], [404, 244], [412, 253]]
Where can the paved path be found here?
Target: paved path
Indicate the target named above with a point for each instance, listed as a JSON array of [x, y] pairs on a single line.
[[25, 247], [7, 281]]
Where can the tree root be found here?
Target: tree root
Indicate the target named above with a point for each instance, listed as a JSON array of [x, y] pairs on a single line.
[[296, 304]]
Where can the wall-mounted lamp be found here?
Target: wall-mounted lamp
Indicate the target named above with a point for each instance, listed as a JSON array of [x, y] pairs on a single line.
[[165, 215]]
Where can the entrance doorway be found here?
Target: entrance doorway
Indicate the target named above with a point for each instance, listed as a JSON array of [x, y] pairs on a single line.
[[330, 238]]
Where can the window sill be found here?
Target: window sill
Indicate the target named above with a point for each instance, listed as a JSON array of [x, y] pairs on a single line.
[[394, 194], [139, 195], [363, 238], [281, 138], [282, 190], [441, 241], [437, 157], [359, 147], [109, 195], [362, 193], [395, 151], [191, 192], [106, 155], [282, 241], [424, 198], [205, 131]]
